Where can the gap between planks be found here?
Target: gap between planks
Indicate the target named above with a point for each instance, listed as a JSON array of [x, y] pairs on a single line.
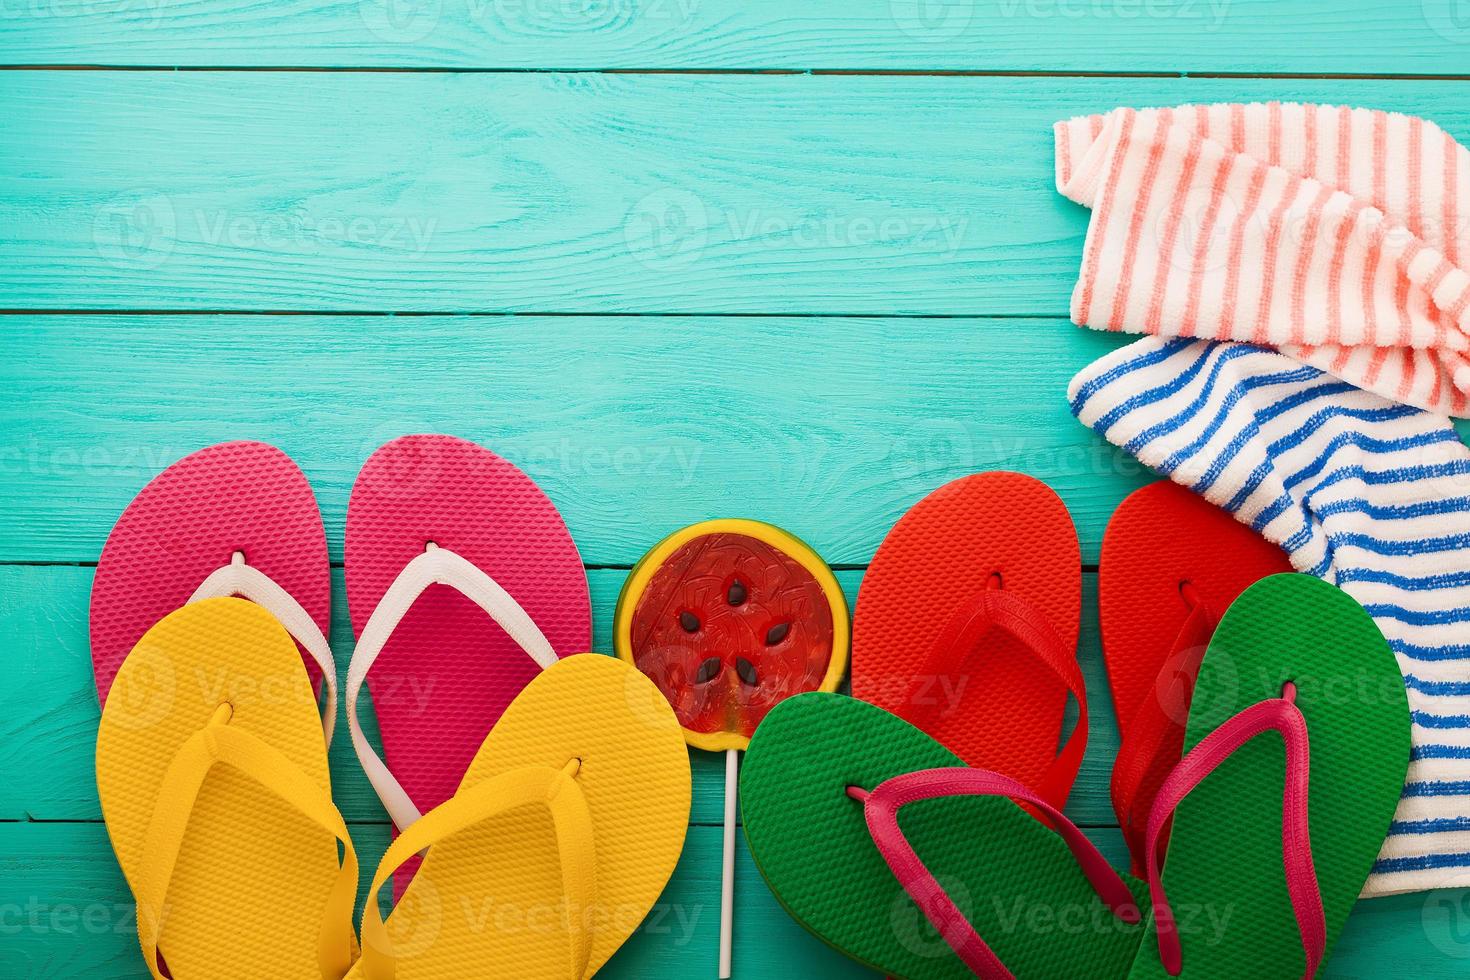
[[752, 71], [567, 314]]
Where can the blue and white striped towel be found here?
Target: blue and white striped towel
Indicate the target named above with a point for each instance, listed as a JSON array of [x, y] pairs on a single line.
[[1371, 495]]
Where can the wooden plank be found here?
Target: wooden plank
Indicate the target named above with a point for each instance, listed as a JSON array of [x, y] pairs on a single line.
[[634, 425], [65, 912], [552, 192], [48, 703], [1259, 36]]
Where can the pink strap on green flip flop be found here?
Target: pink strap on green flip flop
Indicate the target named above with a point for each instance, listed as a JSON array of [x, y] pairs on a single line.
[[1280, 715], [881, 806], [998, 609]]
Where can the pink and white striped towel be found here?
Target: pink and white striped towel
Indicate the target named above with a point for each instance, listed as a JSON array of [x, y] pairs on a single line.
[[1335, 235]]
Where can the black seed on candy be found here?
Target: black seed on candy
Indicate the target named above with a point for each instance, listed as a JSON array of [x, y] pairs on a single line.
[[708, 671], [736, 595], [746, 670], [777, 633], [689, 621]]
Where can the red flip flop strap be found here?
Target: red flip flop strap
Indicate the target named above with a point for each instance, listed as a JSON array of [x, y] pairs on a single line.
[[1154, 739], [1282, 716], [1016, 615], [880, 808]]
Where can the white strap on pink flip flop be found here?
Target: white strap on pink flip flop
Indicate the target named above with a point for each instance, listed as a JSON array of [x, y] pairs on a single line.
[[237, 518], [243, 580], [435, 566]]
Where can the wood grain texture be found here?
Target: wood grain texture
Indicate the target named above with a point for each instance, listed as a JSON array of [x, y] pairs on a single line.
[[553, 192], [1353, 36], [837, 212], [66, 912], [635, 426], [48, 703]]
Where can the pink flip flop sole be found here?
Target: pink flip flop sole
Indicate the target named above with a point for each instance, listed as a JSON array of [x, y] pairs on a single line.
[[189, 521], [448, 672]]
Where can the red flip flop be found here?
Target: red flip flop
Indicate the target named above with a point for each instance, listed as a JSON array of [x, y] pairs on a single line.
[[236, 518], [1171, 564], [463, 584], [966, 626]]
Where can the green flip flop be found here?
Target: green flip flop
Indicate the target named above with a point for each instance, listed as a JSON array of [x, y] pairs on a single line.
[[869, 832], [1273, 837]]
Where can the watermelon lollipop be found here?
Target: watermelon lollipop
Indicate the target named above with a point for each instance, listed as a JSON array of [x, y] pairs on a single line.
[[727, 618]]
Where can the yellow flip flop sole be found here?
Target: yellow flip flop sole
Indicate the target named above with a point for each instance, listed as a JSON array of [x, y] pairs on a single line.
[[563, 834], [212, 773]]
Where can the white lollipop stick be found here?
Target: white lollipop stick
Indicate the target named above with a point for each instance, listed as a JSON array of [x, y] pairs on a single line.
[[727, 886]]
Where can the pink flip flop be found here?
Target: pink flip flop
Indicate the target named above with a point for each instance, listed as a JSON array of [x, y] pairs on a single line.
[[236, 519], [463, 584]]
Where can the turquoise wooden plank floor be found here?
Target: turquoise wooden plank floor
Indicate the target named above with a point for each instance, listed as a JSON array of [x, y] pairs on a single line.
[[677, 258]]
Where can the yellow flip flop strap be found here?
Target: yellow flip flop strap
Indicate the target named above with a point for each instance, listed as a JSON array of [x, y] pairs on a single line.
[[571, 821], [219, 744]]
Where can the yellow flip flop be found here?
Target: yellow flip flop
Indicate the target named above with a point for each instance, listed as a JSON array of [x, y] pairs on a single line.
[[562, 835], [212, 772]]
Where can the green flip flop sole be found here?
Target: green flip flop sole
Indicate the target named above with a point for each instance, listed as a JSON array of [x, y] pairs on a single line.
[[1013, 878], [1223, 872]]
